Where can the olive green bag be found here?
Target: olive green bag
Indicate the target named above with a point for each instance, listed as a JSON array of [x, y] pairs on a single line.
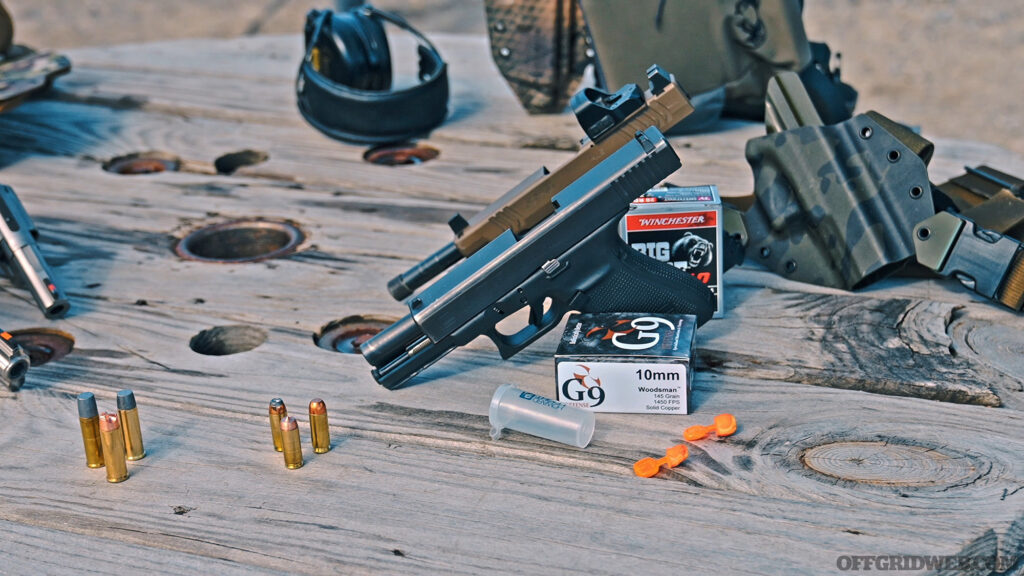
[[723, 52]]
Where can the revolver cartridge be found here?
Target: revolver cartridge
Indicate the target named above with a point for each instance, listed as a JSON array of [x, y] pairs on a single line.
[[113, 448], [14, 362], [89, 419], [129, 414]]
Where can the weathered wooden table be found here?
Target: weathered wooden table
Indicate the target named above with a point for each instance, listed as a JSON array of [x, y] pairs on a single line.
[[827, 462]]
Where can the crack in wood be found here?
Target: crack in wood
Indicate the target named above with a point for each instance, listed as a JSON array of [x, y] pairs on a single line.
[[864, 348], [405, 213]]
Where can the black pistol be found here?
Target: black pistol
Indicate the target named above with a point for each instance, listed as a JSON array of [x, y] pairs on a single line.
[[20, 257], [609, 120], [573, 259]]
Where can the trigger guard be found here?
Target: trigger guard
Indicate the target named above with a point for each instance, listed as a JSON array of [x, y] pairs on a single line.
[[509, 344]]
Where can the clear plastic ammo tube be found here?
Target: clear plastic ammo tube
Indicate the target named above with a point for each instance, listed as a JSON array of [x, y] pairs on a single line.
[[536, 415]]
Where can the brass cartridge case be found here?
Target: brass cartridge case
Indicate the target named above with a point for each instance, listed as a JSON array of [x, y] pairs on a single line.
[[290, 440], [89, 419], [319, 430], [113, 448], [130, 428], [277, 412]]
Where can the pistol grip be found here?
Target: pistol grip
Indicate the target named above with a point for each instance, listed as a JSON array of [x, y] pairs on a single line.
[[638, 283]]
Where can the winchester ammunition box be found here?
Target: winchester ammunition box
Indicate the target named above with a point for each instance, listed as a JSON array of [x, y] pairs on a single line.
[[680, 226]]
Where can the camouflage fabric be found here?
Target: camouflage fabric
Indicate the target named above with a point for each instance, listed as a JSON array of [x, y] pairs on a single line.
[[540, 47], [23, 76], [840, 205], [836, 205]]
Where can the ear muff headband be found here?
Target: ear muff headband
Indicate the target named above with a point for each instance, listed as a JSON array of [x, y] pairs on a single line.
[[366, 116]]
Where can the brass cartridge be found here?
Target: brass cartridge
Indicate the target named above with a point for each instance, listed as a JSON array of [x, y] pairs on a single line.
[[320, 432], [277, 412], [130, 428], [290, 441], [89, 419], [113, 447]]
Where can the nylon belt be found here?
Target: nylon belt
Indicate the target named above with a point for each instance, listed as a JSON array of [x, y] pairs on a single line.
[[980, 245]]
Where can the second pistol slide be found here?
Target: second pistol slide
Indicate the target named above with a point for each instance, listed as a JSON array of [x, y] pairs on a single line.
[[21, 259]]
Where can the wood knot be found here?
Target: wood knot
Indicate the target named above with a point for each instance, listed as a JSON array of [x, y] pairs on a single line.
[[888, 464], [996, 342]]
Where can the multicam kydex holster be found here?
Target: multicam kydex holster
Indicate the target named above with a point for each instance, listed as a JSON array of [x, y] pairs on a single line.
[[846, 204]]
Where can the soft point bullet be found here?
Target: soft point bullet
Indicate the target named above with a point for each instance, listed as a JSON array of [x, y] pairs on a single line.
[[113, 447], [292, 446], [319, 430]]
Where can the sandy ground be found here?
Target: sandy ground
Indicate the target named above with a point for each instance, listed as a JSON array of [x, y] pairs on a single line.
[[953, 67]]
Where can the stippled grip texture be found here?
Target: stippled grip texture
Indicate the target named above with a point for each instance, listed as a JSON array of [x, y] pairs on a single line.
[[638, 283]]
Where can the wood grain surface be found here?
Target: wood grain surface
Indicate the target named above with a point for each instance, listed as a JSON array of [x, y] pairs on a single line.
[[887, 421]]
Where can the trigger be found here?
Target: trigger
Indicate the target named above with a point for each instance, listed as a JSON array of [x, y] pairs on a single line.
[[536, 314]]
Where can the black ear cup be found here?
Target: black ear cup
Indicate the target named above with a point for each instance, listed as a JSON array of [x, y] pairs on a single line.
[[344, 82], [363, 58]]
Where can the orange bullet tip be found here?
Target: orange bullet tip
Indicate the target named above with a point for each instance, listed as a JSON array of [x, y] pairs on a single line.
[[317, 406], [109, 422], [289, 423], [674, 456], [725, 425]]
